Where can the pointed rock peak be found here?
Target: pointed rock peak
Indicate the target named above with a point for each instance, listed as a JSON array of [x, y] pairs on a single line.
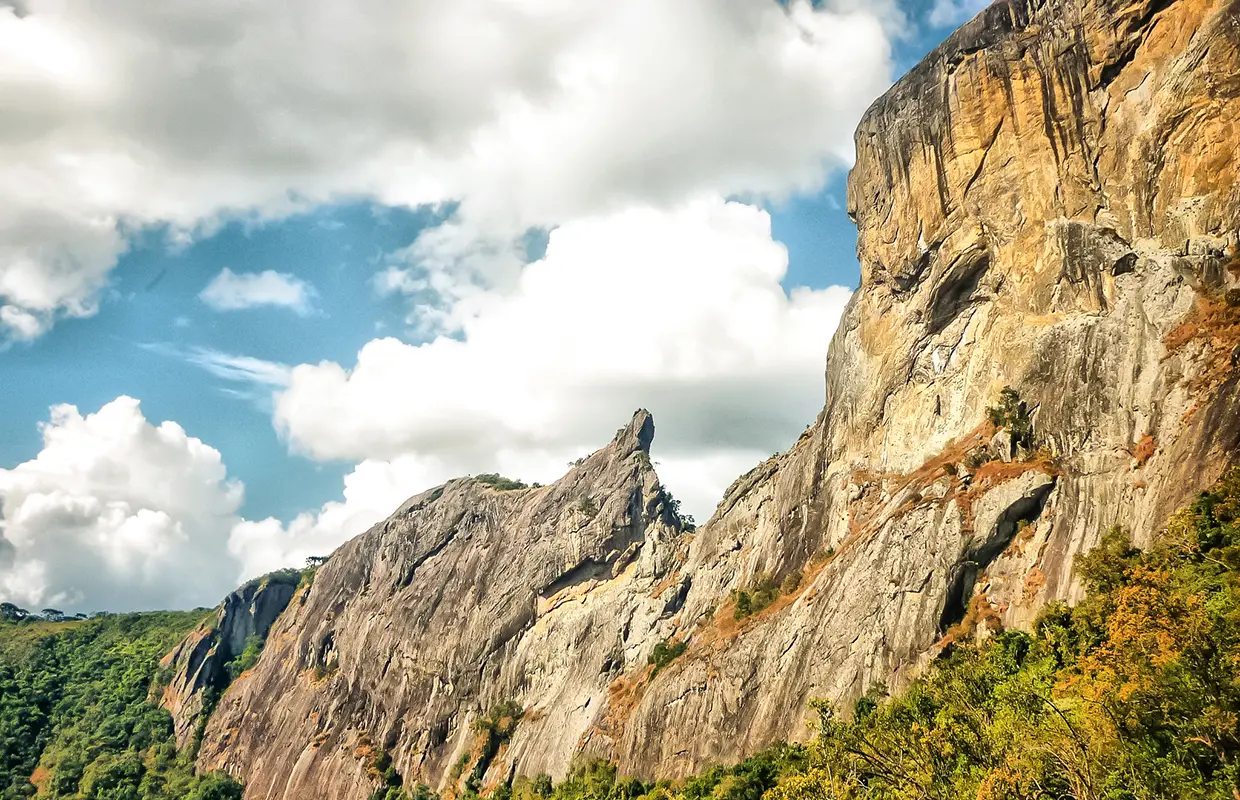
[[638, 434]]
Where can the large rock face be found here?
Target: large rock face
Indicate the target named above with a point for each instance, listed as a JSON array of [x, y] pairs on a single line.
[[467, 597], [1048, 202], [199, 665]]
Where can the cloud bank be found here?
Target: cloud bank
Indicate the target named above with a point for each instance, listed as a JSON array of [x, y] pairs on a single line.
[[620, 129], [523, 112]]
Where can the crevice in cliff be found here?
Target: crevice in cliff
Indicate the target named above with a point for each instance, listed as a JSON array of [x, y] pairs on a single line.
[[1113, 69], [981, 164], [407, 577], [1024, 510], [587, 569], [955, 292]]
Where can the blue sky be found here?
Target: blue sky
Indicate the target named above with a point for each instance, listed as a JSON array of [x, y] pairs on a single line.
[[153, 300], [148, 332]]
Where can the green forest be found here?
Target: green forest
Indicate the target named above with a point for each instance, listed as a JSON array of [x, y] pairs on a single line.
[[76, 712], [1134, 693]]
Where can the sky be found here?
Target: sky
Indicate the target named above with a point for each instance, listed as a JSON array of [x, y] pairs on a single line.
[[262, 278]]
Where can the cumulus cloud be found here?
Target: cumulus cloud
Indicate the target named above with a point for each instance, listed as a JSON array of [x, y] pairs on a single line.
[[116, 513], [678, 311], [618, 127], [231, 291], [524, 112], [682, 307]]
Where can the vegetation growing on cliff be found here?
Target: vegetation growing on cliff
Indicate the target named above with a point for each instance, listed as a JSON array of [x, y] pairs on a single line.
[[76, 717], [664, 653], [499, 482], [1132, 694]]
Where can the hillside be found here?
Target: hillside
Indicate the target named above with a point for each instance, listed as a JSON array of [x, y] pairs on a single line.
[[76, 717], [1042, 347]]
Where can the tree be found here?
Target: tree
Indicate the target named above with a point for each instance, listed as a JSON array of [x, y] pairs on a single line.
[[218, 786]]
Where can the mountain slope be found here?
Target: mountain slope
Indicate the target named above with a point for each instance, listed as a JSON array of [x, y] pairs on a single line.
[[1049, 203], [465, 598]]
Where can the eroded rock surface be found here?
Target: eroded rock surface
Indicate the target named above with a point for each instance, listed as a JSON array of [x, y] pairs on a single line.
[[465, 598], [199, 665], [1048, 202]]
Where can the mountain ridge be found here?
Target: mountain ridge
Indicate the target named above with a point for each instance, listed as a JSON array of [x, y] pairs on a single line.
[[1043, 345]]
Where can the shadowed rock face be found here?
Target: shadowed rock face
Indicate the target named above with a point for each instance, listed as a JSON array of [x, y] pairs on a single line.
[[465, 598], [1048, 202], [200, 663]]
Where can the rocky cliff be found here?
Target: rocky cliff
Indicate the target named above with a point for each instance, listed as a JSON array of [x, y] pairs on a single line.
[[466, 599], [1048, 202], [199, 666]]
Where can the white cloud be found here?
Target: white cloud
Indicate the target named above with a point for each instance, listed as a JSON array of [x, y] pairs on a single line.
[[372, 491], [681, 312], [950, 13], [678, 311], [231, 291], [616, 125], [116, 513], [244, 369], [526, 112]]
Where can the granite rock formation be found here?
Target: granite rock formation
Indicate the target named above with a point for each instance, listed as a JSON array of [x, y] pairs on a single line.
[[199, 665], [1048, 202]]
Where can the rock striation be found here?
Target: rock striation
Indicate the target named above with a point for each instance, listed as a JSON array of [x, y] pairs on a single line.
[[199, 665], [466, 598], [1048, 202]]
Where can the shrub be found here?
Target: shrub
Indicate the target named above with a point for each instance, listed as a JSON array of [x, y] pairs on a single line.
[[499, 482], [744, 605], [664, 653], [248, 656], [977, 457], [762, 590], [1013, 416], [289, 577]]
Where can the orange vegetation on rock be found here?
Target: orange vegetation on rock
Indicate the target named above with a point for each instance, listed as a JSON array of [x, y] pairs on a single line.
[[1214, 325], [1144, 449]]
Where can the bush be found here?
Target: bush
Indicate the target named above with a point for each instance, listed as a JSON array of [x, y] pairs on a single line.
[[977, 457], [499, 482], [1013, 416], [248, 657], [744, 605], [664, 653]]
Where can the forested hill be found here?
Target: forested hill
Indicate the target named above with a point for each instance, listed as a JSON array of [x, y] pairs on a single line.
[[75, 713], [1133, 693]]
